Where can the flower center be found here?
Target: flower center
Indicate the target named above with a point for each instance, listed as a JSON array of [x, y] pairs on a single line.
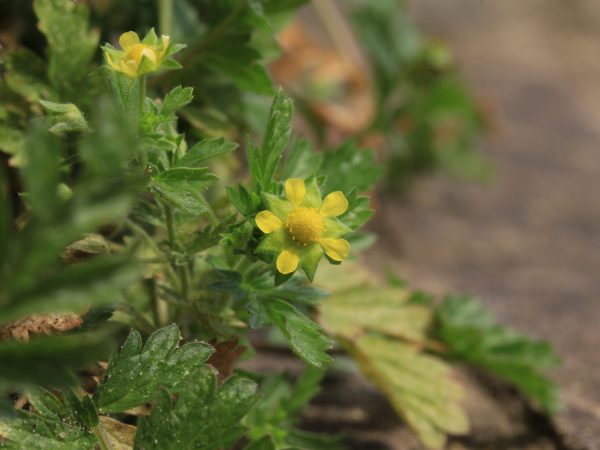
[[305, 225]]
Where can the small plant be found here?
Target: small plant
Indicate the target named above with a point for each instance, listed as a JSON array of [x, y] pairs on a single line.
[[127, 217]]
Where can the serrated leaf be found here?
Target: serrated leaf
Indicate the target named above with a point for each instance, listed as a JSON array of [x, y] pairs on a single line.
[[71, 45], [264, 161], [202, 416], [64, 118], [134, 374], [301, 161], [205, 149], [385, 310], [183, 187], [48, 360], [98, 281], [385, 331], [420, 387], [349, 167], [304, 336], [176, 99], [469, 329], [58, 425]]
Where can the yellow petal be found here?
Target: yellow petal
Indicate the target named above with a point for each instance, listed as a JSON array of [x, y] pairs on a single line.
[[287, 262], [128, 40], [335, 204], [164, 39], [336, 249], [267, 222], [295, 190]]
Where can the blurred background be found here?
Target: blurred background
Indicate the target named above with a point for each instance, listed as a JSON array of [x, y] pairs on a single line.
[[527, 240]]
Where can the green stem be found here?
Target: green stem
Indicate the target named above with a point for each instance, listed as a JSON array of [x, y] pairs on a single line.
[[165, 16], [151, 286], [141, 95], [139, 230], [170, 222]]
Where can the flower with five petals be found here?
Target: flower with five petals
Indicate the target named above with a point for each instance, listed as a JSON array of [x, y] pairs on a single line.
[[303, 227]]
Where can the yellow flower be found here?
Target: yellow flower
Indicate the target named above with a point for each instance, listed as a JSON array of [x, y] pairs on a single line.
[[303, 227], [137, 57]]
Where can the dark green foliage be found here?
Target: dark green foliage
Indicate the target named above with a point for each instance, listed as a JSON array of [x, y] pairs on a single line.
[[469, 329], [304, 336], [264, 161], [58, 424], [271, 422], [203, 415], [349, 168], [134, 374]]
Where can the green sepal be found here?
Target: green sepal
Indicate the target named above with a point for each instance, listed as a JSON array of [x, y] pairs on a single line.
[[310, 257], [281, 208], [151, 38], [312, 197], [280, 278], [146, 66], [335, 228], [274, 242]]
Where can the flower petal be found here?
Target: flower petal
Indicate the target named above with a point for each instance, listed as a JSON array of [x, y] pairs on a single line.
[[128, 40], [287, 262], [295, 190], [335, 204], [267, 222], [336, 249]]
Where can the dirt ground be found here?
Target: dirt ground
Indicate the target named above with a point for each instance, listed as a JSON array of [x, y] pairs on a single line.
[[526, 242]]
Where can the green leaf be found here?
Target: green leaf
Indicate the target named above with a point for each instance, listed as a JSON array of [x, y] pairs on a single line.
[[385, 332], [349, 167], [202, 416], [205, 149], [301, 161], [183, 187], [468, 328], [176, 99], [41, 174], [48, 360], [71, 45], [64, 118], [385, 310], [134, 374], [11, 140], [264, 161], [97, 281], [125, 91], [26, 75], [57, 425], [271, 421], [420, 387], [304, 336]]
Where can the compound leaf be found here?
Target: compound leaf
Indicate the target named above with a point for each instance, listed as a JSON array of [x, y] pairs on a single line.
[[304, 336], [203, 415], [469, 329], [134, 374]]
